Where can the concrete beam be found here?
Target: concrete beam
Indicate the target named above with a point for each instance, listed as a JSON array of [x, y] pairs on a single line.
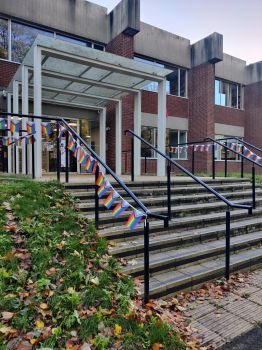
[[232, 69], [124, 18], [209, 49], [254, 73]]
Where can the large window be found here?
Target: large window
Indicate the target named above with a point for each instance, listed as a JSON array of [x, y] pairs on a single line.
[[3, 38], [15, 45], [220, 154], [176, 82], [175, 137], [228, 94]]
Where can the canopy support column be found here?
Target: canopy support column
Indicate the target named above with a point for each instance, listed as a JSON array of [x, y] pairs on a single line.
[[9, 149], [161, 127], [137, 130], [38, 110], [118, 145], [16, 110], [102, 134], [25, 110]]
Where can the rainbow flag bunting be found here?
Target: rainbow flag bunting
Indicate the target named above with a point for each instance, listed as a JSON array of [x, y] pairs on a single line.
[[247, 152], [83, 156], [14, 127], [6, 141], [100, 180], [120, 208], [95, 167], [2, 124], [30, 127], [103, 189], [46, 128], [89, 164], [134, 219], [61, 131], [71, 143], [75, 152], [17, 142], [30, 140], [110, 200]]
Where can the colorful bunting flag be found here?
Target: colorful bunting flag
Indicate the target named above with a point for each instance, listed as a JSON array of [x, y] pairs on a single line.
[[71, 143], [46, 128], [6, 141], [61, 131], [110, 200], [30, 128], [14, 126], [103, 189], [30, 140], [100, 180], [2, 124], [75, 152], [134, 219], [95, 167], [120, 208], [18, 141]]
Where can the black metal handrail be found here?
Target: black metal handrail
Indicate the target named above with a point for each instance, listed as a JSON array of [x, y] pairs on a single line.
[[202, 183], [147, 212]]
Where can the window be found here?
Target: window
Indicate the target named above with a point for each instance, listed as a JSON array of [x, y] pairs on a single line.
[[176, 82], [150, 135], [228, 94], [220, 155], [22, 39], [3, 38], [71, 40], [173, 138]]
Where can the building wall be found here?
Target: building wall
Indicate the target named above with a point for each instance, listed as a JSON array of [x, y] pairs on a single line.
[[7, 71]]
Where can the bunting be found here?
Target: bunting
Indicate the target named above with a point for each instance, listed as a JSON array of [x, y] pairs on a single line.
[[103, 189], [61, 131], [120, 208], [89, 164], [76, 151], [30, 140], [71, 143], [2, 124], [95, 167], [14, 127], [110, 200], [17, 142], [46, 128], [100, 180], [30, 128], [134, 219], [6, 141]]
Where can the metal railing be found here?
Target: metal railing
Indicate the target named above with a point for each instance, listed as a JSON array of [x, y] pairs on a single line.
[[229, 204], [147, 213]]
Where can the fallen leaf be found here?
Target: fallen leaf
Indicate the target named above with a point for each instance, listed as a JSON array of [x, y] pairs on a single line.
[[117, 330], [157, 346], [43, 306], [6, 316], [39, 324]]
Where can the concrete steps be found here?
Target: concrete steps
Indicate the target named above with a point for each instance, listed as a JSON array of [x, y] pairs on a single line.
[[191, 250]]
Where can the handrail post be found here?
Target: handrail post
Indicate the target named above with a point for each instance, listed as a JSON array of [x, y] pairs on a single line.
[[193, 160], [168, 172], [132, 160], [33, 157], [146, 261], [213, 161], [242, 162], [57, 153], [225, 162], [254, 186], [96, 200], [228, 219], [66, 160]]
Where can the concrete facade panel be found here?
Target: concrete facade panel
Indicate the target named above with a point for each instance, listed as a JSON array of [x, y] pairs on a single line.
[[232, 69], [225, 129], [209, 49], [160, 44], [176, 123]]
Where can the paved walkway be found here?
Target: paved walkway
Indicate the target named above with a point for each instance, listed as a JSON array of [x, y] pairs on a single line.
[[221, 320], [249, 341]]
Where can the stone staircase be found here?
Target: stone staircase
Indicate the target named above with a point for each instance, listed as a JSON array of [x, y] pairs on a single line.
[[192, 249]]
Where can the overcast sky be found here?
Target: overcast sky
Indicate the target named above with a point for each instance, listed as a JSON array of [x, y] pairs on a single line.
[[240, 21]]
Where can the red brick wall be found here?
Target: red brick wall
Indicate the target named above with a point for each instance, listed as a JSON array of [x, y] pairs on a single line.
[[7, 71], [231, 116], [201, 110], [122, 45]]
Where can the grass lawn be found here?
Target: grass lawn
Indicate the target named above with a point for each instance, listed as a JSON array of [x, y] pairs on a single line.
[[59, 288]]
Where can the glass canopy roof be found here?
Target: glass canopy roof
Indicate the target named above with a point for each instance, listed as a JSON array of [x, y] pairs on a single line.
[[73, 74]]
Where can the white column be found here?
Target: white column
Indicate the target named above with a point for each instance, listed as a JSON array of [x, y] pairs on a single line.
[[161, 127], [102, 134], [16, 110], [24, 111], [137, 130], [38, 110], [9, 149], [118, 145]]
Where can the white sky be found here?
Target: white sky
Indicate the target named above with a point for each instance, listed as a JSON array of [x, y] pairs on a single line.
[[240, 21]]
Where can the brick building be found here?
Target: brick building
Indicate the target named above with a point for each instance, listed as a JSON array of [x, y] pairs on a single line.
[[209, 93]]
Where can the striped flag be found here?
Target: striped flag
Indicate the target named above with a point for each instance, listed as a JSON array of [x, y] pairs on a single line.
[[2, 124], [30, 127], [110, 200], [14, 126], [134, 219], [6, 141], [120, 208], [46, 128]]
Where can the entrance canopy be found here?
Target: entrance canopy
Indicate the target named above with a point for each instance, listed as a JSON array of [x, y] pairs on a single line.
[[63, 73]]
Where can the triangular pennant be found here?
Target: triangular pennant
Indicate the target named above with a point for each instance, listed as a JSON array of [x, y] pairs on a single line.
[[134, 219], [120, 208]]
